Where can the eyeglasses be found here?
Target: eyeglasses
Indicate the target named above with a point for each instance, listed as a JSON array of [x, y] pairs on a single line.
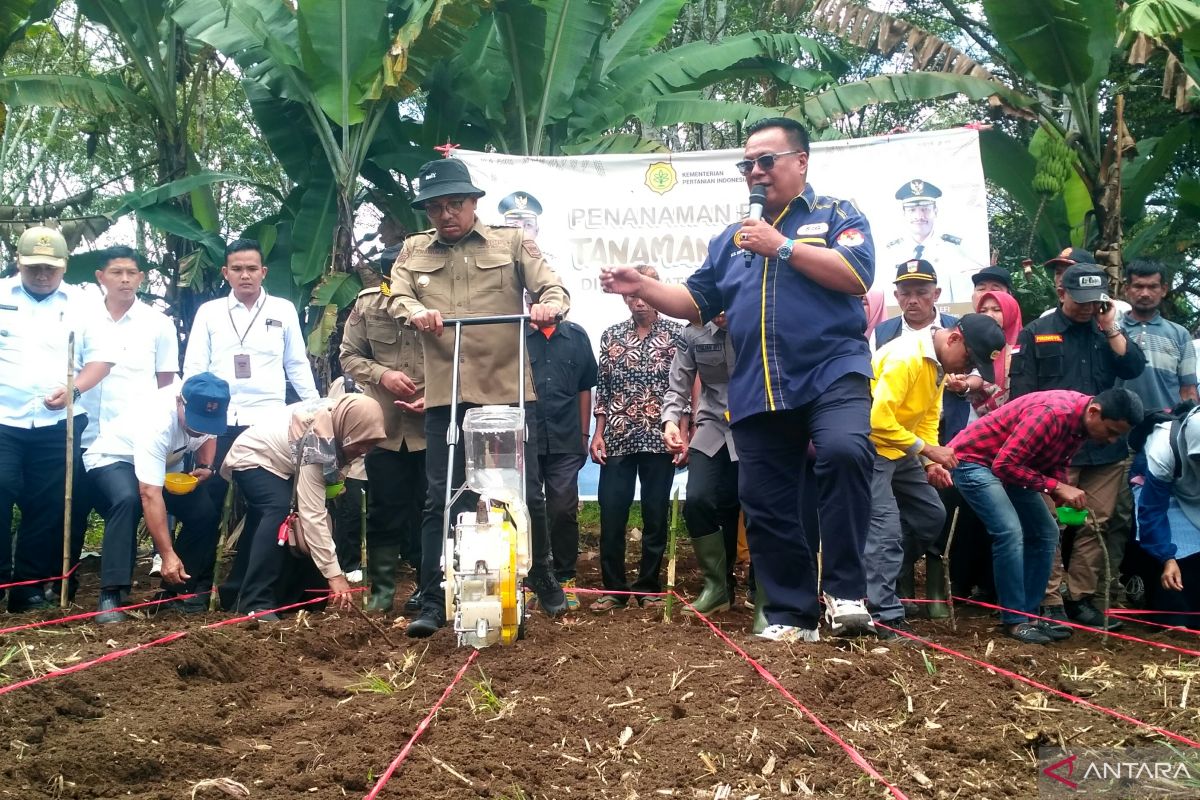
[[766, 162], [437, 209]]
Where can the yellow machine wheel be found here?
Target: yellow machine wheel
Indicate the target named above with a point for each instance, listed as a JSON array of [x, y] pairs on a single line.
[[510, 591]]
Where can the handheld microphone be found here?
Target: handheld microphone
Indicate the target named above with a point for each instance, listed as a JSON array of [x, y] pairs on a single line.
[[758, 199]]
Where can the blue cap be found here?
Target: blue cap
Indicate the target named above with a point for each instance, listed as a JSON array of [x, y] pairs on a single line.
[[205, 403]]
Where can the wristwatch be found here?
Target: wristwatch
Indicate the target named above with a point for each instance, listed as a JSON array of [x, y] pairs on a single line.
[[75, 393], [205, 466], [785, 250], [1113, 332]]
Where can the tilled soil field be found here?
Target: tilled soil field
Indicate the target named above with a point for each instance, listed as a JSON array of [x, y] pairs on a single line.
[[621, 706]]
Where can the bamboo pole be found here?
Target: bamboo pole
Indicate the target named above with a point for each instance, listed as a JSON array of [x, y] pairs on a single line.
[[70, 472]]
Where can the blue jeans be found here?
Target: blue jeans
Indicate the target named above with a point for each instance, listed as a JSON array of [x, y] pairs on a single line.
[[1023, 534]]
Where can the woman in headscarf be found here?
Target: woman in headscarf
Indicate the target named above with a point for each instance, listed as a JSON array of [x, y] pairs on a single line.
[[873, 307], [984, 396], [282, 468]]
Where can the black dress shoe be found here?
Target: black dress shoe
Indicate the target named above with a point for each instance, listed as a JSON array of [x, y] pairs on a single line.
[[20, 602], [1083, 612], [1055, 631], [1026, 633], [425, 625], [109, 608], [413, 604]]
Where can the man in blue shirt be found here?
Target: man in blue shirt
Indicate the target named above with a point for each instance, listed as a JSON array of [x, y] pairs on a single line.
[[790, 284]]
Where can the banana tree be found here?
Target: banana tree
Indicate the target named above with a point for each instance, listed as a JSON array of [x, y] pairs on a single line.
[[323, 77], [548, 77]]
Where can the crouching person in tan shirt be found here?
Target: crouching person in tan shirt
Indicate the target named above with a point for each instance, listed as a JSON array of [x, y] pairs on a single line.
[[281, 467]]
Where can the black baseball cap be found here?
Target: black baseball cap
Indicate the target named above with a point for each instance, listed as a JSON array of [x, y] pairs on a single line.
[[984, 341], [443, 177], [915, 269], [1070, 256], [1086, 283], [998, 274]]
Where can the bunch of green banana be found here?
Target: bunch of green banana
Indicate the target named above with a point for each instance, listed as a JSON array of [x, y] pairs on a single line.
[[1055, 161]]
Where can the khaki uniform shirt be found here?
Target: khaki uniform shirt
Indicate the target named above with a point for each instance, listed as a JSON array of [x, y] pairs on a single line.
[[484, 273], [374, 342]]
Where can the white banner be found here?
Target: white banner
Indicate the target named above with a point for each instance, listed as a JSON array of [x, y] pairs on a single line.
[[589, 212], [601, 211]]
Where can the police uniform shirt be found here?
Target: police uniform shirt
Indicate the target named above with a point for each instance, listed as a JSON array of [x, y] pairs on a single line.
[[144, 343], [702, 350], [484, 273], [951, 262], [268, 334], [374, 342], [1053, 352], [563, 367], [148, 435], [34, 337], [793, 337]]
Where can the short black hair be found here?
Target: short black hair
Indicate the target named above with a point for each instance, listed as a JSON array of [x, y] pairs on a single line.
[[1145, 268], [241, 246], [797, 134], [110, 254], [1120, 405]]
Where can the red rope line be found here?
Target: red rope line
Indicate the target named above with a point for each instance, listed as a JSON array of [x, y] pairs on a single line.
[[90, 614], [1114, 634], [1151, 611], [1038, 685], [1118, 613], [424, 724], [766, 675], [41, 580]]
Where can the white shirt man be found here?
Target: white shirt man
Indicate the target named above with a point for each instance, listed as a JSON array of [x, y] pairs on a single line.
[[251, 340], [142, 338]]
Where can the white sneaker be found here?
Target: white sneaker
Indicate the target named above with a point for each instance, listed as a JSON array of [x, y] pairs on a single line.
[[354, 576], [156, 565], [790, 633], [847, 617]]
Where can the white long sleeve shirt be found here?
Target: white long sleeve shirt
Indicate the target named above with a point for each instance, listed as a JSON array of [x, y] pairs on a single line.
[[268, 334]]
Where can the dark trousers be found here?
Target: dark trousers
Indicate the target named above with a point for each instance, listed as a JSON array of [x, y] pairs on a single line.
[[217, 486], [615, 493], [396, 500], [712, 500], [116, 494], [346, 514], [559, 477], [437, 457], [252, 584], [32, 477], [772, 480]]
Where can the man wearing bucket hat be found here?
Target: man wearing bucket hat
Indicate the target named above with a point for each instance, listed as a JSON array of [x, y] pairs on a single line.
[[462, 268], [1081, 347], [910, 466], [128, 465], [38, 314]]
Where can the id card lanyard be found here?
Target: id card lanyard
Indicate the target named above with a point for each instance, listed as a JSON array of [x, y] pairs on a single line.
[[241, 361]]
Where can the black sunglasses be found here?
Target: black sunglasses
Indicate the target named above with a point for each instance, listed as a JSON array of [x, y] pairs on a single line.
[[766, 162]]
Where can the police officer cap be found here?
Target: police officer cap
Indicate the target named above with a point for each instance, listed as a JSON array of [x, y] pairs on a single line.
[[442, 177], [998, 274], [520, 204], [915, 269], [918, 192]]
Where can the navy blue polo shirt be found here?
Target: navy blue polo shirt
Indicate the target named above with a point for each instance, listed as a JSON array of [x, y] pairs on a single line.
[[793, 337]]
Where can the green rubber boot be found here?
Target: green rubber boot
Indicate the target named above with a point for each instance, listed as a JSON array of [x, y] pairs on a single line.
[[760, 610], [935, 587], [382, 563], [710, 552], [906, 588]]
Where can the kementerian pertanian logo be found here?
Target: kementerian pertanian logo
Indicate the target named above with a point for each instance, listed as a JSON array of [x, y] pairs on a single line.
[[661, 177]]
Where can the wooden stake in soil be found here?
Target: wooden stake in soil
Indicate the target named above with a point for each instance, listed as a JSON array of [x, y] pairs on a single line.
[[946, 576], [70, 473], [672, 539]]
